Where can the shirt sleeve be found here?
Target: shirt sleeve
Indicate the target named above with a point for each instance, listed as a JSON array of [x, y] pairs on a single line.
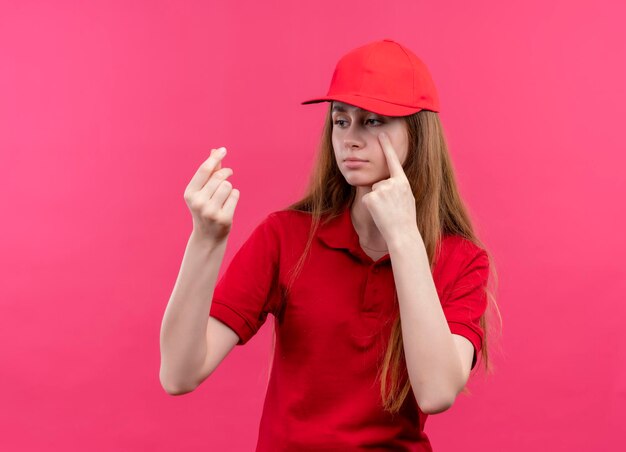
[[249, 290], [466, 301]]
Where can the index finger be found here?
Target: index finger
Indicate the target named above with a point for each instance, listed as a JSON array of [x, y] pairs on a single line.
[[207, 168], [395, 167]]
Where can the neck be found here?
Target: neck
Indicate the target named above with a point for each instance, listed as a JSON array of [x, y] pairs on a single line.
[[369, 235]]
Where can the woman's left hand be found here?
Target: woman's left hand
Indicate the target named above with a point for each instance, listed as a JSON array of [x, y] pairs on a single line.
[[391, 202]]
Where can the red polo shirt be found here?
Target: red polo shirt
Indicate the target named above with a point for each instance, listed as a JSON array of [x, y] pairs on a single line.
[[330, 333]]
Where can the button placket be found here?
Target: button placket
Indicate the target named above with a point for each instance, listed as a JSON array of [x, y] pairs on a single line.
[[371, 302]]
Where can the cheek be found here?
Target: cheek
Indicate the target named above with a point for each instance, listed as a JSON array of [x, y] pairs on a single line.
[[401, 150], [402, 155]]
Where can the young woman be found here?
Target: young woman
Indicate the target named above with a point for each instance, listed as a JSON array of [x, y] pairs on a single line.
[[376, 279]]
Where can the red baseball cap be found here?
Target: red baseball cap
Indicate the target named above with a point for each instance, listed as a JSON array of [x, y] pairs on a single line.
[[384, 77]]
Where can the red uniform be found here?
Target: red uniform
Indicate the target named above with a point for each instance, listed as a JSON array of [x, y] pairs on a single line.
[[333, 328]]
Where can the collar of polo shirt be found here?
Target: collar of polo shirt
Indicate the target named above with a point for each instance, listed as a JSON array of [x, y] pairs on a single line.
[[339, 233]]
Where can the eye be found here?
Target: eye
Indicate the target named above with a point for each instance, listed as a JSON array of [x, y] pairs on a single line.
[[339, 121]]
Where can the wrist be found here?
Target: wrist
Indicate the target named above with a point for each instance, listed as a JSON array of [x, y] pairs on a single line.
[[198, 240], [405, 239]]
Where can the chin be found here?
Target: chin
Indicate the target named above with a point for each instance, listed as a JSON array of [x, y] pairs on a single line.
[[361, 181]]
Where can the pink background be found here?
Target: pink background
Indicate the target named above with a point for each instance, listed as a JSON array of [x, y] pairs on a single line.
[[107, 108]]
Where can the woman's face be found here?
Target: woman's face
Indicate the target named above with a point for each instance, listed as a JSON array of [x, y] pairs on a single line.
[[355, 135]]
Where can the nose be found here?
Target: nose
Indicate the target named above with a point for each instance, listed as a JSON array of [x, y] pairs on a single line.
[[352, 139]]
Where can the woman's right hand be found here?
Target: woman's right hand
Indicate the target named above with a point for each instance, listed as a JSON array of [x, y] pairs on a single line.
[[212, 199]]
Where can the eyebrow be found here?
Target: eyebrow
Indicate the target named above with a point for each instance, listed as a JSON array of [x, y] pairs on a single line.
[[344, 110]]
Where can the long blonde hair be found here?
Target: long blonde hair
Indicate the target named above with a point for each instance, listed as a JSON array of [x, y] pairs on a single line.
[[440, 210]]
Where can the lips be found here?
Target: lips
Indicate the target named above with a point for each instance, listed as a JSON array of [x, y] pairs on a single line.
[[352, 159]]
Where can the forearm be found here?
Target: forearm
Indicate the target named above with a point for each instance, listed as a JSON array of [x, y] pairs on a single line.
[[183, 329], [433, 363]]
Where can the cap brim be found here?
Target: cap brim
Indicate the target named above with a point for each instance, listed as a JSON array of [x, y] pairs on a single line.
[[369, 104]]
